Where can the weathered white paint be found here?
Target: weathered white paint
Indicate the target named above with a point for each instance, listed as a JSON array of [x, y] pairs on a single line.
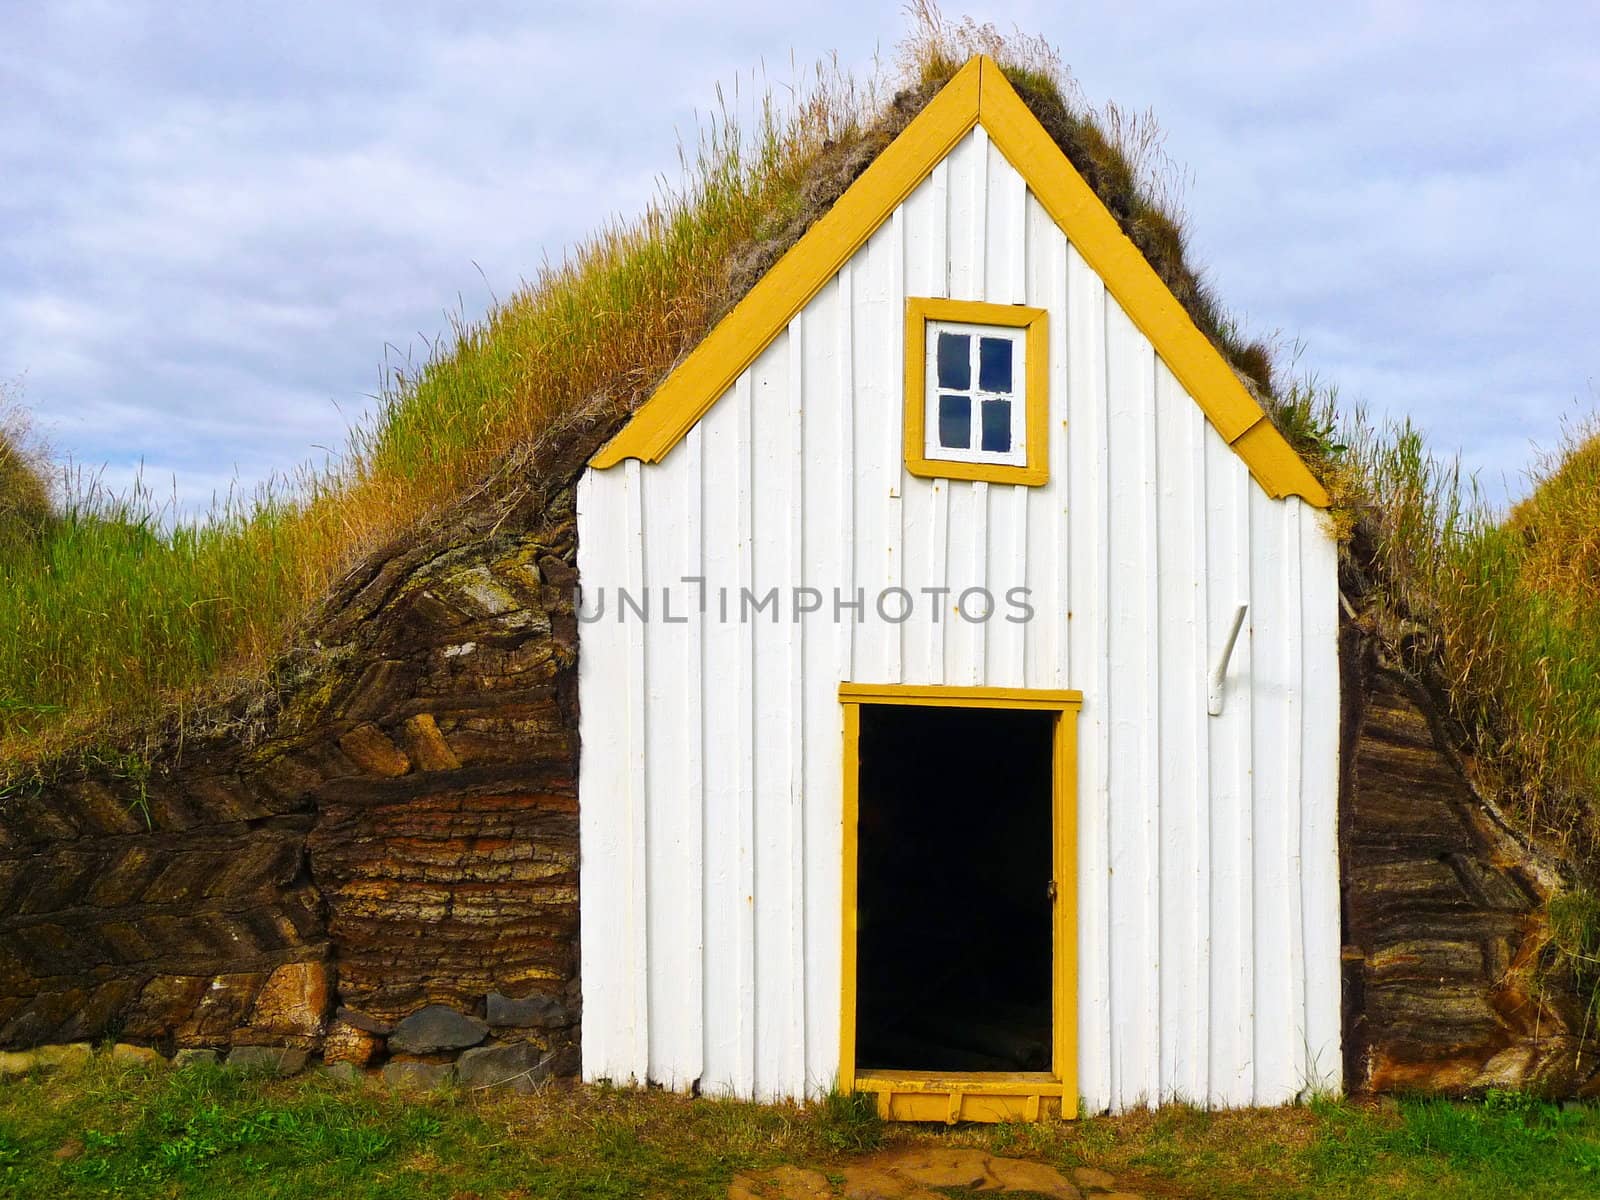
[[710, 777]]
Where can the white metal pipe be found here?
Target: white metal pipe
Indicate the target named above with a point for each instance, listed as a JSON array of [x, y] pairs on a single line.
[[1219, 669]]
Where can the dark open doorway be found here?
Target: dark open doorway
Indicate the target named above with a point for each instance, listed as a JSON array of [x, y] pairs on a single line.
[[954, 911]]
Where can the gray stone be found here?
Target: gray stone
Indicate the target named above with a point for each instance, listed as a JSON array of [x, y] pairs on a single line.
[[196, 1055], [519, 1066], [566, 1062], [418, 1076], [536, 1012], [344, 1072], [436, 1029], [274, 1060], [363, 1022]]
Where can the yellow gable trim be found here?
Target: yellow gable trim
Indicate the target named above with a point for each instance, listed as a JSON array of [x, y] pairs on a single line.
[[979, 92], [712, 366]]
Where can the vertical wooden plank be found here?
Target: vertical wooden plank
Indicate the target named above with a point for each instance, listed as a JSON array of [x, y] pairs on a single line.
[[969, 542], [890, 341], [722, 897], [923, 219], [926, 511], [1197, 977], [878, 381], [826, 563], [923, 500], [1088, 610], [846, 619], [1319, 814], [965, 226], [744, 750], [1153, 733], [692, 987], [771, 466], [636, 917], [1007, 570], [1292, 747], [1005, 256], [1006, 216], [936, 603], [1180, 572], [603, 778], [1274, 1027], [1049, 526], [669, 498], [1231, 1060], [1135, 713], [794, 1076]]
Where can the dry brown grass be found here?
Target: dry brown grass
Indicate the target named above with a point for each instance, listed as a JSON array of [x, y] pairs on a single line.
[[1559, 522]]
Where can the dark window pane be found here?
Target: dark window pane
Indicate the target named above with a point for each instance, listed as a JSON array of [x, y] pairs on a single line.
[[994, 364], [997, 426], [955, 362], [955, 422]]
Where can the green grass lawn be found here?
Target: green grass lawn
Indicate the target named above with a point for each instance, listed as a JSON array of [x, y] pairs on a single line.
[[208, 1132]]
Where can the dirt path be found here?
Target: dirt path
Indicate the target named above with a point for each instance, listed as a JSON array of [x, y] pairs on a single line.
[[927, 1173]]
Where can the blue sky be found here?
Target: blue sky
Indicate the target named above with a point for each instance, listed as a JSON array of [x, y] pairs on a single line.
[[216, 218]]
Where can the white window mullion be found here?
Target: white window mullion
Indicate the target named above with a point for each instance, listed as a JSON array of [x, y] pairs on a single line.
[[975, 417]]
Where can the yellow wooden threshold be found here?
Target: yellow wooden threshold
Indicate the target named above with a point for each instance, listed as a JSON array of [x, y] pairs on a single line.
[[966, 1096]]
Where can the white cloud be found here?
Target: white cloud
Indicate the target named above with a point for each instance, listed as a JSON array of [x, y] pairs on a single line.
[[216, 219]]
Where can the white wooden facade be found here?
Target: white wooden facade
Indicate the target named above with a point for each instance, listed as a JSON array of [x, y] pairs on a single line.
[[710, 779]]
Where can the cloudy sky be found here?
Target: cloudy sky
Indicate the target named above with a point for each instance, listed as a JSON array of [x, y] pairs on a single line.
[[216, 218]]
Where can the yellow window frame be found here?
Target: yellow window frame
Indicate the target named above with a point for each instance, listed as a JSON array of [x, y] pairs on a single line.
[[1036, 400], [976, 1095]]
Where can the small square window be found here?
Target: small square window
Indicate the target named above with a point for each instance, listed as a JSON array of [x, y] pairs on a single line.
[[973, 410], [975, 391]]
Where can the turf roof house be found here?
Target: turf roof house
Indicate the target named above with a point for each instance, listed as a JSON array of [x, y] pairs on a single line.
[[982, 868]]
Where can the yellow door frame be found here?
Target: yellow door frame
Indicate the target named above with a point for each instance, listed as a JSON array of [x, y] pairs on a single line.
[[976, 1095]]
